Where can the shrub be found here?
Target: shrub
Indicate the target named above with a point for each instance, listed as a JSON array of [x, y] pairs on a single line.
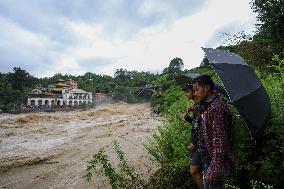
[[168, 147], [264, 168], [124, 176]]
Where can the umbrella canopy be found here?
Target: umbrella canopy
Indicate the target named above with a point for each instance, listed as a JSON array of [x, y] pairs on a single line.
[[244, 88]]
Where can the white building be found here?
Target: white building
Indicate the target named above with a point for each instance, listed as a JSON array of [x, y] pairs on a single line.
[[75, 97], [60, 96]]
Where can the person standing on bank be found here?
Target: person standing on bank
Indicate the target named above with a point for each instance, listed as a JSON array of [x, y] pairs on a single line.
[[195, 166], [215, 139]]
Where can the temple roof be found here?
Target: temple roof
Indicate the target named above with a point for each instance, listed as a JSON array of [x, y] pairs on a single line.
[[61, 85]]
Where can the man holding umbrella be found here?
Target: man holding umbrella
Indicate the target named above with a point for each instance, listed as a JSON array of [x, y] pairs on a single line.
[[215, 148]]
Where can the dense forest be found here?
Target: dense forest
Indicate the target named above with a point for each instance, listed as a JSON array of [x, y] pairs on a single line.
[[264, 52]]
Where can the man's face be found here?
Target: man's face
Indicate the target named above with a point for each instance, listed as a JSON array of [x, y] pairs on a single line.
[[200, 92]]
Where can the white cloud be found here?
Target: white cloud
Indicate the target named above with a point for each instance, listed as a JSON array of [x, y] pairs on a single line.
[[23, 47], [151, 48]]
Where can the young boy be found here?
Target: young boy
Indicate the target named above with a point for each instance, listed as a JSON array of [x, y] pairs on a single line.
[[195, 167]]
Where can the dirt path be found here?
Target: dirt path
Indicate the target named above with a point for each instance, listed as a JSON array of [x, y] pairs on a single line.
[[50, 150]]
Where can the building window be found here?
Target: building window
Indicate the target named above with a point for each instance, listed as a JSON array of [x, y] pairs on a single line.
[[39, 102]]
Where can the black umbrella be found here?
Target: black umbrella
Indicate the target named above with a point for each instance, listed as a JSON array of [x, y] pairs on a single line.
[[244, 88]]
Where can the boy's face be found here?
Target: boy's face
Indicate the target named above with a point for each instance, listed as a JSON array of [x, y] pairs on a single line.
[[189, 94], [200, 92]]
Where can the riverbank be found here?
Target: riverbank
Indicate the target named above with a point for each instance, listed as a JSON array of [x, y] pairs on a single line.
[[51, 150]]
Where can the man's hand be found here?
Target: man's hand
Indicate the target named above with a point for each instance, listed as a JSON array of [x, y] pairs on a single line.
[[193, 109], [208, 179], [185, 116], [190, 108], [191, 147]]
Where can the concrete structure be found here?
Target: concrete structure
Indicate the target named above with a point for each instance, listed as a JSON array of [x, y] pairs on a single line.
[[62, 95], [75, 97]]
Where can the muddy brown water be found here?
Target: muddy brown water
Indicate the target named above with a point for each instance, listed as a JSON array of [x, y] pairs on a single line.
[[51, 150]]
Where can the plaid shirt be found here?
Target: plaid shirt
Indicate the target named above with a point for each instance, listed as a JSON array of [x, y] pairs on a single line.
[[216, 129]]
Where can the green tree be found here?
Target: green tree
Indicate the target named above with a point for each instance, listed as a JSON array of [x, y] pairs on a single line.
[[257, 54], [122, 76], [20, 78], [9, 97], [175, 67], [271, 26]]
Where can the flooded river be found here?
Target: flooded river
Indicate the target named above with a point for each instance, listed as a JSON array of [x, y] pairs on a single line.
[[51, 150]]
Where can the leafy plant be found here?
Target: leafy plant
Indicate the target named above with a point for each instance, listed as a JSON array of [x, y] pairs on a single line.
[[168, 147], [279, 67], [124, 176]]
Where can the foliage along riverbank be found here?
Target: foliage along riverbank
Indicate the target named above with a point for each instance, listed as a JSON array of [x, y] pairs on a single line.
[[168, 147]]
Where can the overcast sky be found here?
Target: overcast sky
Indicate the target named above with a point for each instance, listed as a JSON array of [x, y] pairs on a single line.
[[46, 37]]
